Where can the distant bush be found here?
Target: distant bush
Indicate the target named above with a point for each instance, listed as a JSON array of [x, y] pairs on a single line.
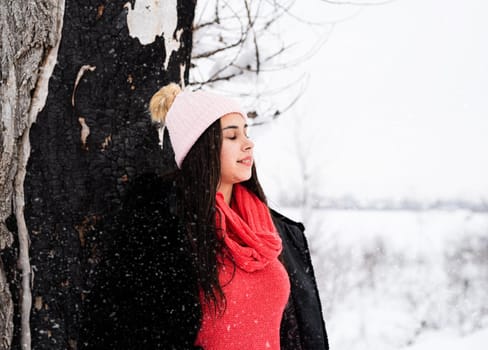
[[375, 290], [466, 265]]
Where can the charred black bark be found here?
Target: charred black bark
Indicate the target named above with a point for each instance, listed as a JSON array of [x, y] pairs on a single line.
[[87, 144]]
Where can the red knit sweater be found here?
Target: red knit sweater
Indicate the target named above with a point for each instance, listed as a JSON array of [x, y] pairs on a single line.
[[255, 305]]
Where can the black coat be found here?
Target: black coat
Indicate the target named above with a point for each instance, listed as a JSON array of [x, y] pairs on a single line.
[[144, 295]]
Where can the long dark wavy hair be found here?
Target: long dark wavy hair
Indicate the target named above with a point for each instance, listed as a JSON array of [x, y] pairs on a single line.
[[197, 183]]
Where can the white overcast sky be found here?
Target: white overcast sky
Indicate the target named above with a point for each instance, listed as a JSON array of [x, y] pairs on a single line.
[[396, 104]]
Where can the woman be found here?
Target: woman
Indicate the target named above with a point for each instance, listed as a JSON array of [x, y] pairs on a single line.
[[198, 259]]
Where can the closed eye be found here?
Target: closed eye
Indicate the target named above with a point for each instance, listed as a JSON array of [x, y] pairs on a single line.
[[232, 132]]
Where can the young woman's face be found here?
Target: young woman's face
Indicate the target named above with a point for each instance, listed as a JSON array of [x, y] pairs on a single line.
[[236, 155]]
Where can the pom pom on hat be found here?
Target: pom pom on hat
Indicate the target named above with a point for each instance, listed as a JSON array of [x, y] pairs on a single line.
[[187, 114], [161, 102]]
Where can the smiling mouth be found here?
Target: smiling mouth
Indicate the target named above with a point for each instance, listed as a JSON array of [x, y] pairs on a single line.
[[245, 161]]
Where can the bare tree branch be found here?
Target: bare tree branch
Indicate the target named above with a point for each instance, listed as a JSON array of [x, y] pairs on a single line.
[[218, 78], [358, 3], [216, 51], [255, 41], [235, 53]]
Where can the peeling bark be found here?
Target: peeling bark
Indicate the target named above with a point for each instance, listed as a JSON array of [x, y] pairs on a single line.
[[30, 38], [6, 312], [23, 260], [69, 149]]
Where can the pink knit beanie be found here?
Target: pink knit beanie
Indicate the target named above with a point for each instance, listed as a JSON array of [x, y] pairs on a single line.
[[187, 114]]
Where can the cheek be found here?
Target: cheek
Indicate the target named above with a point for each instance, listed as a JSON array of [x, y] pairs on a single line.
[[225, 158], [229, 153], [230, 170], [225, 163]]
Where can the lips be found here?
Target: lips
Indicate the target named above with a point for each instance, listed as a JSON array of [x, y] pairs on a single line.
[[245, 161]]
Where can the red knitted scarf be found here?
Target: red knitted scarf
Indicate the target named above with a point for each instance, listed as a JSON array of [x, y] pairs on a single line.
[[247, 229]]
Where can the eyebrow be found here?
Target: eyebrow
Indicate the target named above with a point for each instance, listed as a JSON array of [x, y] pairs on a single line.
[[233, 127]]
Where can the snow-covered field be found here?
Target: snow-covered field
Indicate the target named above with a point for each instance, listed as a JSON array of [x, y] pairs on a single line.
[[410, 280], [445, 340]]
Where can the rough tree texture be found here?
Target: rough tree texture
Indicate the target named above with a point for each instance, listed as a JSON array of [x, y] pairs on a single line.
[[30, 35], [86, 144]]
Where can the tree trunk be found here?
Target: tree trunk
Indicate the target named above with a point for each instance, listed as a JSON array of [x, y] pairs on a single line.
[[91, 136], [30, 39]]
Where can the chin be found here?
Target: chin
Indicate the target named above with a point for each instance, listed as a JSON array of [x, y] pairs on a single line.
[[247, 177], [243, 178]]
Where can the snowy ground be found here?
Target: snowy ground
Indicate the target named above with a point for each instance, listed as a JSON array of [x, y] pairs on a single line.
[[401, 279], [446, 341]]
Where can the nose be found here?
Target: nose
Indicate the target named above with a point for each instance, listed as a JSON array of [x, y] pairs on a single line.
[[248, 144]]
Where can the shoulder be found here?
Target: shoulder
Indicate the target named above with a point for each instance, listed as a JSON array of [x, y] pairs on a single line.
[[292, 232], [285, 220]]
